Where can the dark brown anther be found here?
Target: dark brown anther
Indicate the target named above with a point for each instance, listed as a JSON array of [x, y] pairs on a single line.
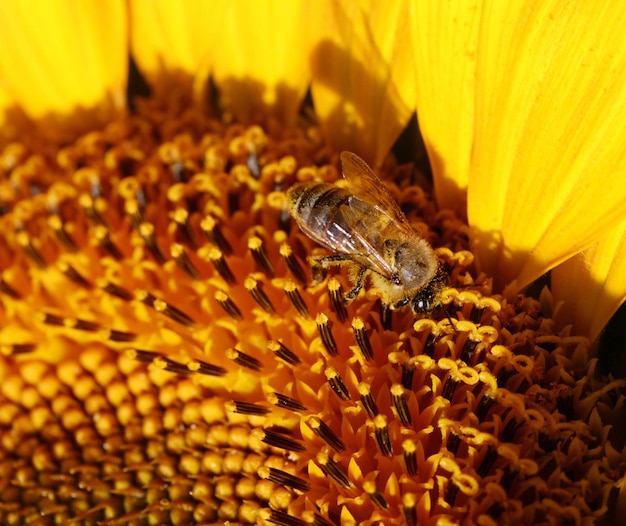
[[336, 383], [321, 429], [487, 462], [208, 369], [258, 294], [333, 470], [31, 251], [365, 395], [214, 235], [508, 477], [409, 509], [286, 402], [185, 264], [17, 348], [246, 408], [103, 236], [87, 203], [141, 355], [410, 459], [221, 267], [375, 495], [56, 224], [282, 352], [362, 338], [381, 431], [323, 328], [146, 231], [486, 402], [295, 298], [476, 314], [467, 354], [511, 427], [398, 398], [337, 303], [259, 254], [451, 493], [183, 228], [283, 478], [81, 325], [429, 344], [5, 288], [52, 319], [449, 387], [274, 439], [292, 263], [243, 359], [228, 305], [167, 364], [453, 443], [282, 518], [386, 316], [73, 275], [173, 313], [408, 371], [114, 290], [119, 336]]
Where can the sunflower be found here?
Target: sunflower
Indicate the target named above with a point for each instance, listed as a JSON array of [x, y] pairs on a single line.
[[166, 358]]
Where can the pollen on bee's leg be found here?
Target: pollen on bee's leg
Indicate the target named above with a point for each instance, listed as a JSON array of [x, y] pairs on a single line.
[[337, 302], [375, 495], [181, 258], [321, 429], [259, 254], [381, 432], [255, 290], [286, 402], [333, 470], [146, 231], [362, 339], [292, 264], [323, 328], [183, 228], [367, 399], [294, 296], [282, 352], [214, 235], [399, 401], [336, 383], [283, 478], [243, 359], [228, 305]]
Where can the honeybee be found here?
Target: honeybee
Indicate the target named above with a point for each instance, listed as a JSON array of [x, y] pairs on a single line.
[[368, 233]]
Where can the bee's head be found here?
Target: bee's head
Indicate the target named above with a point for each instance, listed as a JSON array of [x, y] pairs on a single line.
[[429, 297]]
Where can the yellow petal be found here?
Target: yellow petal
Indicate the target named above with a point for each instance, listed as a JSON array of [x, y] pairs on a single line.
[[64, 65], [548, 163], [363, 83], [592, 284], [260, 63], [172, 41], [444, 40]]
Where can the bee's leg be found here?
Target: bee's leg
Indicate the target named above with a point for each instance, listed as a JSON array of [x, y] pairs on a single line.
[[399, 304], [319, 265], [358, 280]]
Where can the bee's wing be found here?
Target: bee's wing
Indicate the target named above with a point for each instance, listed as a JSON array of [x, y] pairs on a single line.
[[372, 190]]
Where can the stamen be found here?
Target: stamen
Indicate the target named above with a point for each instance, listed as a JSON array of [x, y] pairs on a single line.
[[5, 288], [184, 263], [81, 325], [103, 236], [322, 430], [336, 383], [294, 296], [56, 224], [118, 336], [449, 387], [410, 459], [142, 355], [468, 350], [282, 352], [114, 290], [214, 235], [292, 263], [87, 203], [362, 338], [246, 408], [488, 461], [454, 441], [385, 316], [167, 364], [323, 327], [486, 402], [409, 508], [283, 478], [146, 231], [337, 303], [333, 470], [408, 371], [32, 252], [508, 433], [375, 495], [381, 431], [281, 518], [369, 404], [257, 249], [451, 493], [221, 267], [173, 313], [258, 294], [51, 319], [286, 402], [228, 305], [72, 274], [398, 398], [208, 369], [17, 348], [183, 228], [243, 359], [274, 439]]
